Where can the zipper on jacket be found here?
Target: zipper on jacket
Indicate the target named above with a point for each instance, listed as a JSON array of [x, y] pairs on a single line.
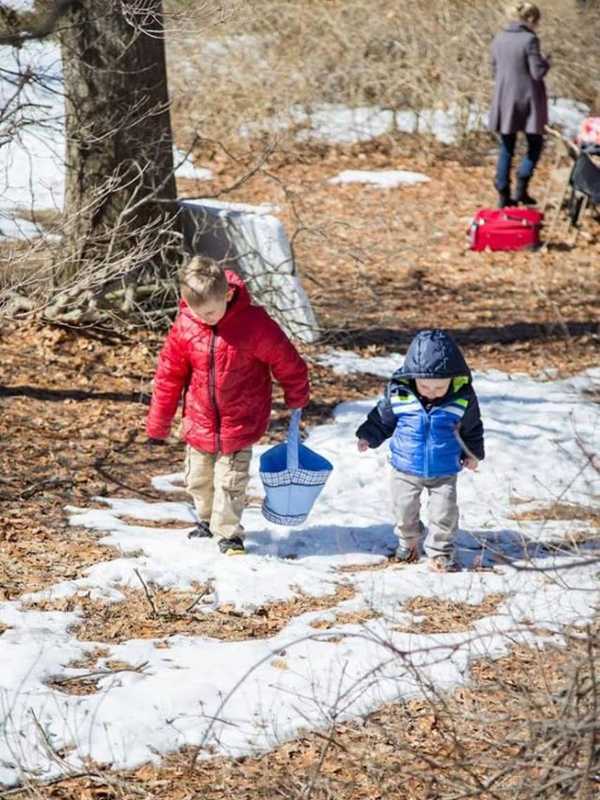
[[427, 443], [212, 384]]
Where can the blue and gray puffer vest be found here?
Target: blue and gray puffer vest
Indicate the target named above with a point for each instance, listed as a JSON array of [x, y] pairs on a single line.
[[432, 442]]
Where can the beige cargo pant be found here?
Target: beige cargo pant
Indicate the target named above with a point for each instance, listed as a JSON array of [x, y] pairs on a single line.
[[443, 510], [217, 484]]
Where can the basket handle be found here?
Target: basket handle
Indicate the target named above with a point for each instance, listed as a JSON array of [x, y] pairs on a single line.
[[293, 439]]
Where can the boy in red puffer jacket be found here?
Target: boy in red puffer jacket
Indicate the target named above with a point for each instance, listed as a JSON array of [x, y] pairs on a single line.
[[219, 356]]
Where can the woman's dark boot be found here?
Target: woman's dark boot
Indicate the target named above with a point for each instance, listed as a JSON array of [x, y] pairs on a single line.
[[504, 198], [523, 195]]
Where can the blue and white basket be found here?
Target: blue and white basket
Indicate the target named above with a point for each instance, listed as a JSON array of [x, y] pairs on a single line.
[[293, 476]]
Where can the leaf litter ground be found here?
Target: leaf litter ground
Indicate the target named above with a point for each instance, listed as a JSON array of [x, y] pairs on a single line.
[[376, 272]]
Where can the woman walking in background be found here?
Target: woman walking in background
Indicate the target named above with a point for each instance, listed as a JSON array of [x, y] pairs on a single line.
[[520, 102]]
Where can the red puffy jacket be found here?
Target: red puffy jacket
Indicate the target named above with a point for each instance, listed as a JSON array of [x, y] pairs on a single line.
[[224, 373]]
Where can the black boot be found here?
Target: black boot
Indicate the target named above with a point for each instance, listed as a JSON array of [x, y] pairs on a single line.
[[201, 531], [504, 198], [522, 195], [234, 546]]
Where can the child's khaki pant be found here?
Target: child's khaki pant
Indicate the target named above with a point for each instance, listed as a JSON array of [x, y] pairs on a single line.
[[217, 484], [443, 510]]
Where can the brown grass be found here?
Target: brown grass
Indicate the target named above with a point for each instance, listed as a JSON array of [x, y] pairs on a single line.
[[561, 511], [447, 616], [89, 660], [344, 618], [380, 565], [33, 558], [157, 523], [48, 218], [567, 512], [177, 612]]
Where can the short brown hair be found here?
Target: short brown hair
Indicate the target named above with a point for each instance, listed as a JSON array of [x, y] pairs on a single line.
[[202, 279]]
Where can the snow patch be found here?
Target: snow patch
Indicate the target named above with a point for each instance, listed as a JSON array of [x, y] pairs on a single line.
[[228, 695], [385, 179], [18, 228], [346, 362], [32, 169], [567, 114], [184, 167], [340, 124]]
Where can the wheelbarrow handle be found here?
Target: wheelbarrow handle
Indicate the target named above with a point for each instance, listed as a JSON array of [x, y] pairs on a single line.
[[293, 439]]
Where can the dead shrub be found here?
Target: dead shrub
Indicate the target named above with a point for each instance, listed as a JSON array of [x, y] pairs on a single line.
[[282, 59]]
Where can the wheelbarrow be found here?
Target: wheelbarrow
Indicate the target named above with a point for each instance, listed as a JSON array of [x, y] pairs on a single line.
[[580, 183]]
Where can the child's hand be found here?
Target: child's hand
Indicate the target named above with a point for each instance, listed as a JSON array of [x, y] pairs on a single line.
[[471, 463], [362, 445]]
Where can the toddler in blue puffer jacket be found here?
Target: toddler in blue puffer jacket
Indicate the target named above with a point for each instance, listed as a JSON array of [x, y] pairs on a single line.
[[431, 413]]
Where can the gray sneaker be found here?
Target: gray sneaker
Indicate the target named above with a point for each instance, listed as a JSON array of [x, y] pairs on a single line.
[[444, 562], [407, 552]]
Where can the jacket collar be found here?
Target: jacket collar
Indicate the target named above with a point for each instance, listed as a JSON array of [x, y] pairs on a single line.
[[517, 27], [457, 386]]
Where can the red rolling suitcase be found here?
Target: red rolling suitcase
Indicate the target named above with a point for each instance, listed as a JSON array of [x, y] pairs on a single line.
[[513, 228]]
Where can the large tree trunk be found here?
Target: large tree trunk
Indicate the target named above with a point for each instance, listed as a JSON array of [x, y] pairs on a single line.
[[120, 185]]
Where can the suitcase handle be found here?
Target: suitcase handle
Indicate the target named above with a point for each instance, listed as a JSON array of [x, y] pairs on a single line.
[[524, 222]]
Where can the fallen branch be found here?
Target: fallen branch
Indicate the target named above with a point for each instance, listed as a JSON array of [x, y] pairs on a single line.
[[102, 673], [34, 488], [206, 590]]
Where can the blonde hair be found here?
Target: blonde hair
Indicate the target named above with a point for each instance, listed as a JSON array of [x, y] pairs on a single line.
[[525, 12], [202, 279]]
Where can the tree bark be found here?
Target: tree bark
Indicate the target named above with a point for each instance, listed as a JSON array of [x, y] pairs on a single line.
[[120, 189]]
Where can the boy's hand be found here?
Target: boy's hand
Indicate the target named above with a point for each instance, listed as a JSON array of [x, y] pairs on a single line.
[[471, 463], [362, 445]]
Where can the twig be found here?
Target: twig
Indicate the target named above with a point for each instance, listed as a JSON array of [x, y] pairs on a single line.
[[34, 488], [206, 590], [149, 597], [103, 673]]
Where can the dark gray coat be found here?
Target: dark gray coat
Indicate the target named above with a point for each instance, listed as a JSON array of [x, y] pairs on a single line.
[[520, 102]]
